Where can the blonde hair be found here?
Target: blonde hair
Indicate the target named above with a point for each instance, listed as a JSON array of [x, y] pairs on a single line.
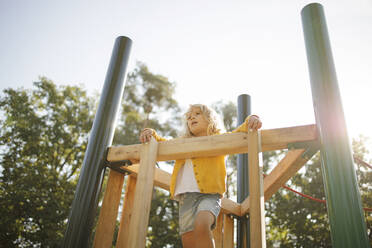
[[215, 125]]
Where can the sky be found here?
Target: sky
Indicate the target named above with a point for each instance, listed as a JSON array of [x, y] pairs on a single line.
[[212, 49]]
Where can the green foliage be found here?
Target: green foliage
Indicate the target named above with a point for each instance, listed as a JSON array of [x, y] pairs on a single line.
[[163, 226], [148, 98], [300, 222], [228, 114], [364, 175], [43, 139], [43, 136], [297, 221]]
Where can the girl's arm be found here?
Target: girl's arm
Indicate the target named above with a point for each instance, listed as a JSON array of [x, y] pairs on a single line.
[[251, 122], [147, 133]]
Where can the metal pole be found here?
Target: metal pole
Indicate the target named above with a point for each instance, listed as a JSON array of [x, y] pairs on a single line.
[[347, 224], [244, 110], [85, 203]]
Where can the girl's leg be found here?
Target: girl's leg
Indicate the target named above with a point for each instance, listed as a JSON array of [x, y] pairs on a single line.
[[188, 240], [202, 229]]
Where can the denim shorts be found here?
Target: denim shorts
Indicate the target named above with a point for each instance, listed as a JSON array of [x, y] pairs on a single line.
[[191, 203]]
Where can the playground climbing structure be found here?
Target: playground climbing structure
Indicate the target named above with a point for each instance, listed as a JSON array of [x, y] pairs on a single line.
[[329, 135]]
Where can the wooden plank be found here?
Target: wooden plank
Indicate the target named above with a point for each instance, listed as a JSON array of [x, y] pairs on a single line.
[[228, 231], [143, 194], [230, 207], [286, 168], [218, 232], [256, 195], [109, 211], [161, 178], [279, 138], [126, 214], [230, 143]]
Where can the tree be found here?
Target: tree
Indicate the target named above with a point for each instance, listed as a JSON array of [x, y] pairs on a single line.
[[364, 175], [43, 139], [300, 222], [163, 225], [148, 98], [297, 221], [44, 134], [227, 112]]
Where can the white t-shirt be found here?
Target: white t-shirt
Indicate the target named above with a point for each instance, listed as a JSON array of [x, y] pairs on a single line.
[[186, 181]]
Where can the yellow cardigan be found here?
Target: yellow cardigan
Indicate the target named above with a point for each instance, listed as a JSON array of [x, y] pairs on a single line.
[[210, 172]]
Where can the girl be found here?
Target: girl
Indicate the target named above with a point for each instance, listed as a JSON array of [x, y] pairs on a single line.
[[199, 183]]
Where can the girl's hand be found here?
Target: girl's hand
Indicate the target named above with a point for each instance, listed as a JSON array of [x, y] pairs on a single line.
[[254, 122], [146, 135]]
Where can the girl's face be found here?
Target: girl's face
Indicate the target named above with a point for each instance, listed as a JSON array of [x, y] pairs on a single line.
[[197, 123]]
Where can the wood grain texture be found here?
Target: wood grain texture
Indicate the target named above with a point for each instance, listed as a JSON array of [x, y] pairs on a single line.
[[143, 194], [109, 211], [218, 232], [256, 195], [228, 231], [230, 143], [126, 214]]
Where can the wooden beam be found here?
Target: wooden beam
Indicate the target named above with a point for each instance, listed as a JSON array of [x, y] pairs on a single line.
[[126, 214], [279, 138], [230, 207], [286, 168], [109, 211], [228, 231], [161, 178], [218, 232], [256, 195], [230, 143], [143, 195]]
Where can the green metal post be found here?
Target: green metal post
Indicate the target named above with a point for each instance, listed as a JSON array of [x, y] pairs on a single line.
[[85, 203], [243, 227], [347, 223]]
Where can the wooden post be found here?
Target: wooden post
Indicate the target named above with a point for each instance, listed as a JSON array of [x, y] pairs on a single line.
[[228, 231], [256, 198], [143, 194], [217, 232], [109, 211], [126, 214]]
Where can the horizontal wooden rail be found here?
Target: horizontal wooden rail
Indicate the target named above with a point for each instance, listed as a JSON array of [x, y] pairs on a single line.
[[230, 207], [230, 143], [271, 139]]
